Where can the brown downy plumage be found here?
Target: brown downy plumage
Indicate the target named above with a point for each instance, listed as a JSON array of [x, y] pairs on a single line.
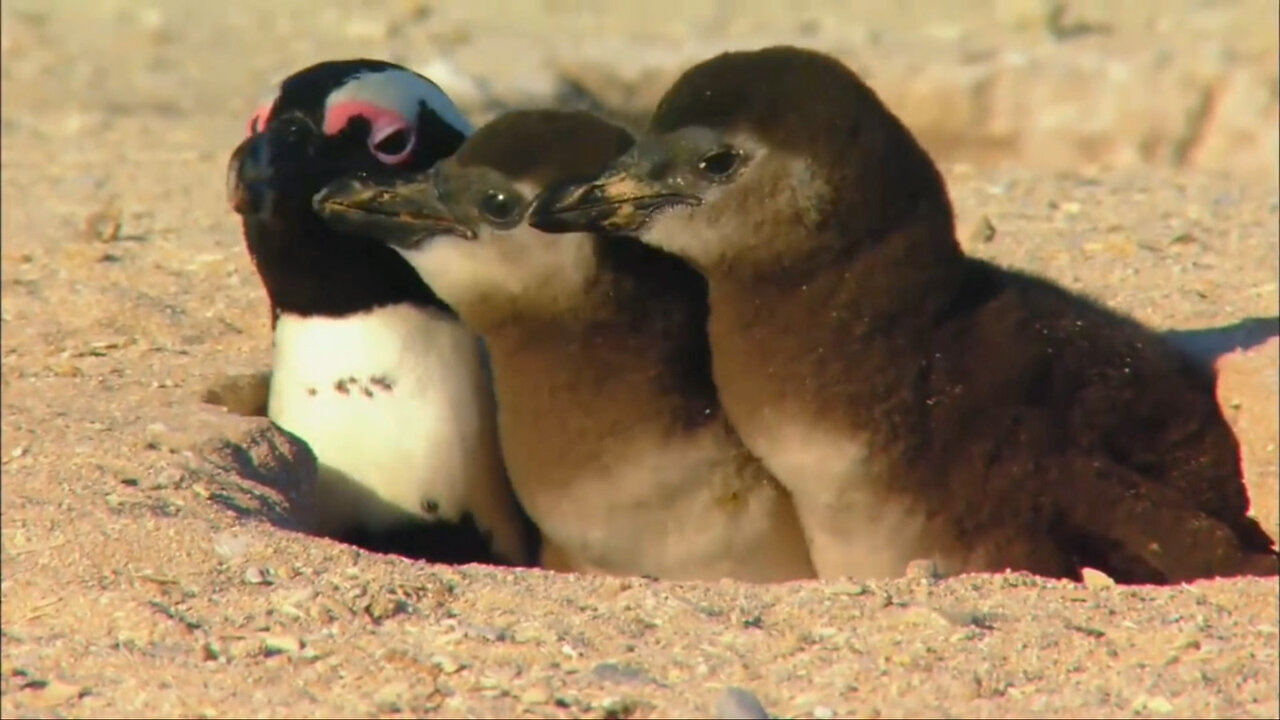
[[916, 402], [610, 425]]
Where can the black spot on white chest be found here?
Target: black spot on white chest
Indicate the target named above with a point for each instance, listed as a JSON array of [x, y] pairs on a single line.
[[368, 386]]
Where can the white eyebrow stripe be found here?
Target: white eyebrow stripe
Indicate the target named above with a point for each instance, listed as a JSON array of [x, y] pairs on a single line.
[[402, 91]]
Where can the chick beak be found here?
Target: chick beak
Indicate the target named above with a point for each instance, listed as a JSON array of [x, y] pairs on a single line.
[[621, 200], [402, 214]]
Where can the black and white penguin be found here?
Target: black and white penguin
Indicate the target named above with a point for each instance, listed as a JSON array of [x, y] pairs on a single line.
[[610, 425], [916, 402], [369, 366]]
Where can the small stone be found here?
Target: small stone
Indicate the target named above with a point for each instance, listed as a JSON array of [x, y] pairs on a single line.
[[616, 673], [822, 712], [230, 547], [968, 618], [447, 665], [736, 703], [103, 225], [536, 695], [529, 633], [288, 611], [385, 607], [847, 588], [51, 693], [923, 569], [242, 394], [258, 576], [389, 699], [171, 477], [924, 617], [823, 634], [485, 632], [618, 707], [1086, 630], [983, 232], [1156, 705], [1096, 579], [273, 645], [161, 437]]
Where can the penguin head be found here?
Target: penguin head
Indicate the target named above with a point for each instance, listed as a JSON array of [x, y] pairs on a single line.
[[337, 118], [767, 158]]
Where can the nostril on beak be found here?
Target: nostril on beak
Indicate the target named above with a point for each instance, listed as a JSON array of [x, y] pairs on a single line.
[[354, 192], [659, 170], [588, 195]]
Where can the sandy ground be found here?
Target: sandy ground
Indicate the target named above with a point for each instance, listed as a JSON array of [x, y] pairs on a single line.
[[149, 565]]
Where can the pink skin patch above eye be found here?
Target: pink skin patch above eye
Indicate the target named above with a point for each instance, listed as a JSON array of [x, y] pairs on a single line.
[[260, 118], [383, 122]]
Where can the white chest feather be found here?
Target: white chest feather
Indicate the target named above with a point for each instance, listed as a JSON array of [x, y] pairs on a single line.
[[683, 509], [396, 405], [855, 528]]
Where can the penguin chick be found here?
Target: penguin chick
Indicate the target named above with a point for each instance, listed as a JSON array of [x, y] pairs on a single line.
[[608, 416], [369, 367], [916, 402]]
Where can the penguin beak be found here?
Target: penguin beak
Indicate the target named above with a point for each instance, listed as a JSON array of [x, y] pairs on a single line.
[[621, 200], [401, 213], [265, 161], [249, 177]]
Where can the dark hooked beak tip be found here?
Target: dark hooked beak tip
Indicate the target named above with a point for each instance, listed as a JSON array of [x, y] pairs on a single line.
[[249, 176], [267, 161], [571, 207]]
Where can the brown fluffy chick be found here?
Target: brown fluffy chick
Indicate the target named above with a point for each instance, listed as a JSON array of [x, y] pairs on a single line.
[[916, 402]]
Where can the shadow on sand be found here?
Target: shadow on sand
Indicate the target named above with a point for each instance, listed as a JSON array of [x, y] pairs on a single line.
[[1208, 345]]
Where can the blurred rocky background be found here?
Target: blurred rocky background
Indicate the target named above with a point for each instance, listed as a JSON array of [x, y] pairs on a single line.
[[1044, 84]]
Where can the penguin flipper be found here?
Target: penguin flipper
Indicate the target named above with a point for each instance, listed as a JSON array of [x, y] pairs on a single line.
[[1139, 531]]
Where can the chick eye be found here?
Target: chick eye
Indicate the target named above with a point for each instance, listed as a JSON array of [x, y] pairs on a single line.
[[719, 163], [499, 206]]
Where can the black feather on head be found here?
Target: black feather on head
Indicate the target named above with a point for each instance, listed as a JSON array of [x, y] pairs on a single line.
[[543, 147]]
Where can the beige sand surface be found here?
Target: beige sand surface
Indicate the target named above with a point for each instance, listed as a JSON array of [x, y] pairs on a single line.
[[1126, 149]]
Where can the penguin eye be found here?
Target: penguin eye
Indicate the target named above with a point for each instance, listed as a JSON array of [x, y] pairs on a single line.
[[499, 207], [719, 163], [391, 144]]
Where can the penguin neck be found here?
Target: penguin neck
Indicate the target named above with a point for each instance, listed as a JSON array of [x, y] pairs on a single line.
[[778, 325], [308, 269], [869, 284], [638, 332]]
